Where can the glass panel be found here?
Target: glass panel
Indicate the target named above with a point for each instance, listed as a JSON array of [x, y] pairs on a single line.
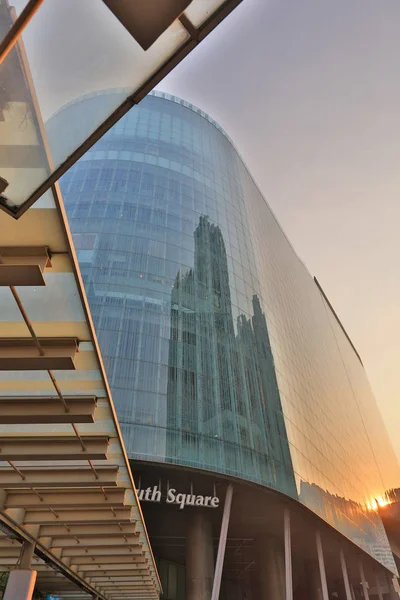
[[221, 350], [68, 50], [71, 49]]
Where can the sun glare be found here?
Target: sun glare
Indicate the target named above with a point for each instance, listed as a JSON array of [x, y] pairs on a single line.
[[377, 502]]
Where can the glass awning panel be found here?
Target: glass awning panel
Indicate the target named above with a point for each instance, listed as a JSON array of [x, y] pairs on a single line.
[[73, 48]]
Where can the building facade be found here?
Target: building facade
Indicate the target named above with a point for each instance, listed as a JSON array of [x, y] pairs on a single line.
[[224, 356]]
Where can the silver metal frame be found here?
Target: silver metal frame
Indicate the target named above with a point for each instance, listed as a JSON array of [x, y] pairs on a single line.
[[222, 544], [288, 556], [321, 563], [345, 576]]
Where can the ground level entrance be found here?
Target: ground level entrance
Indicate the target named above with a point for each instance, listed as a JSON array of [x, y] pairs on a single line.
[[276, 549]]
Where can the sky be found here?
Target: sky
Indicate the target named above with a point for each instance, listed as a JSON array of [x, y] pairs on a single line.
[[309, 91]]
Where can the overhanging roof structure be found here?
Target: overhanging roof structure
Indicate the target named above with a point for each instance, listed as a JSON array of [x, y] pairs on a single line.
[[65, 482], [74, 48], [66, 490]]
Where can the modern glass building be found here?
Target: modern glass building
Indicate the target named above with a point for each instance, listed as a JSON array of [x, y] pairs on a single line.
[[223, 353]]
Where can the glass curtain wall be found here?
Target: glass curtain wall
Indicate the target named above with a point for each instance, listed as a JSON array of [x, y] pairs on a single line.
[[221, 351]]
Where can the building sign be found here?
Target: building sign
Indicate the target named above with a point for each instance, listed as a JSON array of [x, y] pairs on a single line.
[[154, 494]]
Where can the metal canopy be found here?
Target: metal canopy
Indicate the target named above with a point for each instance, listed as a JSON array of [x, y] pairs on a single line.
[[65, 482], [72, 48]]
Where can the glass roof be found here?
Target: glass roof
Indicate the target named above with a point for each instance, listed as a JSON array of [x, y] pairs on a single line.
[[67, 50]]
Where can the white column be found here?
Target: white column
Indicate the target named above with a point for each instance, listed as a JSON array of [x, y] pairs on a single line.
[[322, 572], [21, 582], [222, 544], [288, 556], [20, 585], [363, 581], [345, 576]]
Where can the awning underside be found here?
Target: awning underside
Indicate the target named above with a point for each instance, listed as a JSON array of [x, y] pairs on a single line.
[[65, 483]]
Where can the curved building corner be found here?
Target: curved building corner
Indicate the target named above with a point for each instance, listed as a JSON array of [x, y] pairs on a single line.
[[227, 364]]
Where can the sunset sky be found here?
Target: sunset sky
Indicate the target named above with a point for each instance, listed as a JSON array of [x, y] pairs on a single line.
[[309, 91]]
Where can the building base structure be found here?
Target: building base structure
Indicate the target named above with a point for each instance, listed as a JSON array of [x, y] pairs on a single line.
[[185, 520], [225, 356]]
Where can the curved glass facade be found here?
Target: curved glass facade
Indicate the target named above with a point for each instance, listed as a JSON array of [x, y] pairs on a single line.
[[221, 350]]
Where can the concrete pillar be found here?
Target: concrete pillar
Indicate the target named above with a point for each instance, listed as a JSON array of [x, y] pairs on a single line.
[[271, 568], [20, 585], [199, 556]]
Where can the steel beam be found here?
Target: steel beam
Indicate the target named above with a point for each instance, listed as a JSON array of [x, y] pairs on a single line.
[[21, 354], [111, 540], [100, 552], [71, 477], [112, 570], [82, 517], [9, 552], [47, 448], [11, 562], [16, 29], [126, 587], [77, 556], [100, 578], [132, 594], [47, 410], [23, 266], [84, 531], [127, 558], [72, 499]]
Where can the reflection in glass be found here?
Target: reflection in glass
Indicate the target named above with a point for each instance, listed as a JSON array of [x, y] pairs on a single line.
[[221, 350], [223, 406]]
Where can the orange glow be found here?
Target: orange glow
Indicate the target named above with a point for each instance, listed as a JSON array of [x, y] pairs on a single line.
[[382, 501], [377, 502]]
